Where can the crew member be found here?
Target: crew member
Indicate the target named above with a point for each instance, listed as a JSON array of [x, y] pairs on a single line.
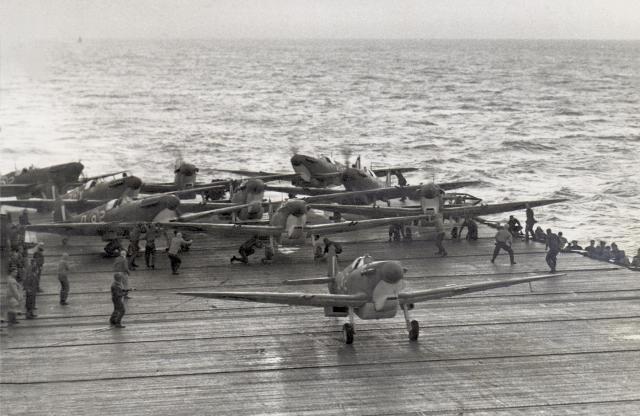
[[591, 249], [23, 219], [553, 245], [121, 265], [440, 235], [514, 226], [529, 224], [318, 251], [618, 256], [118, 293], [63, 277], [173, 252], [636, 260], [574, 246], [38, 256], [540, 235], [472, 229], [246, 249], [14, 297], [134, 248], [563, 241], [150, 247], [31, 289], [503, 241], [328, 243]]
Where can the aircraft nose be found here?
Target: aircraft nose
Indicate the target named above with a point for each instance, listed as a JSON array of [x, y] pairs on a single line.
[[187, 169], [296, 160], [430, 191], [255, 186], [391, 272], [133, 182], [171, 201]]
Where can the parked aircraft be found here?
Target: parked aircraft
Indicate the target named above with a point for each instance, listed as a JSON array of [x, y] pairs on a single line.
[[366, 288], [37, 182], [114, 219], [324, 171]]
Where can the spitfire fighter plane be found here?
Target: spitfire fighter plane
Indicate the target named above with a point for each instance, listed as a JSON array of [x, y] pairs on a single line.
[[366, 288], [114, 219], [37, 182]]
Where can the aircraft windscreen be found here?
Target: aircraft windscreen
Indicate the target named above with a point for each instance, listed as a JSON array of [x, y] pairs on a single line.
[[111, 204]]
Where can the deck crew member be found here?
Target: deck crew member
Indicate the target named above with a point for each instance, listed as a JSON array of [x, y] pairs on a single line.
[[246, 249], [173, 252], [503, 241], [636, 260], [63, 277], [472, 227], [31, 289], [150, 247], [440, 235], [118, 293], [23, 219], [574, 246], [529, 223], [337, 247], [514, 226], [553, 245], [14, 297], [134, 248], [121, 265], [38, 256], [591, 248], [563, 241]]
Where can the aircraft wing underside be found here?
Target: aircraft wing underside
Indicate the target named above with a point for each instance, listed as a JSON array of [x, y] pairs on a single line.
[[81, 228], [50, 204], [225, 229], [347, 226], [302, 299], [14, 189], [457, 290]]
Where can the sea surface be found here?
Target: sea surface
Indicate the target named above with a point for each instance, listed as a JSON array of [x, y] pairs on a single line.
[[530, 119]]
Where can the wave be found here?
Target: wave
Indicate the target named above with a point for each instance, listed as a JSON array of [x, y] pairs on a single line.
[[526, 145], [422, 122], [565, 112]]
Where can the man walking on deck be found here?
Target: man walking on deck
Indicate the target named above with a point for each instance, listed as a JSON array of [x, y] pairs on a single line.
[[529, 224], [503, 241], [553, 245], [38, 256], [440, 235], [118, 293], [31, 289], [121, 265]]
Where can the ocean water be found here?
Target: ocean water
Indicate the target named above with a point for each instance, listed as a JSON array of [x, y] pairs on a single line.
[[530, 119]]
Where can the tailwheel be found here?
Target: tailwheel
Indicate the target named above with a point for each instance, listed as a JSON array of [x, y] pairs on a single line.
[[347, 333], [414, 331]]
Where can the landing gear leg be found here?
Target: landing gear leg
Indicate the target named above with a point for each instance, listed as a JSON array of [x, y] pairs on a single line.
[[412, 325], [348, 329]]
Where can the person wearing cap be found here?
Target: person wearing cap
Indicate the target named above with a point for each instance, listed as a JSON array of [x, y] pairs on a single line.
[[63, 277], [38, 256], [553, 245], [503, 242], [121, 265], [118, 293], [174, 251]]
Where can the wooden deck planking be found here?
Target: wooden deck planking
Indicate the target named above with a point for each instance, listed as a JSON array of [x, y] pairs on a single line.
[[571, 344]]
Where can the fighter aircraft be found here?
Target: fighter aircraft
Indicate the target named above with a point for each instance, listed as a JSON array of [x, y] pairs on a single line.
[[324, 171], [366, 288], [114, 219], [37, 182], [432, 202], [94, 192]]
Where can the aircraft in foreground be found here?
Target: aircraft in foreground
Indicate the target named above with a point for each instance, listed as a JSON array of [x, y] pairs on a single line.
[[37, 182], [366, 288]]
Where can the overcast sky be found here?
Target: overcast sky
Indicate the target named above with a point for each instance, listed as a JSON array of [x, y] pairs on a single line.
[[519, 19]]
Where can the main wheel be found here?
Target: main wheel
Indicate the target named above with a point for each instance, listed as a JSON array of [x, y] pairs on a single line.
[[414, 331], [347, 333]]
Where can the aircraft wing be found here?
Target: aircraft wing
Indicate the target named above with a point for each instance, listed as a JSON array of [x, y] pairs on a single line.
[[303, 299], [296, 190], [225, 229], [15, 189], [217, 211], [487, 209], [80, 228], [383, 171], [153, 188], [367, 210], [456, 290], [49, 204], [343, 227]]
